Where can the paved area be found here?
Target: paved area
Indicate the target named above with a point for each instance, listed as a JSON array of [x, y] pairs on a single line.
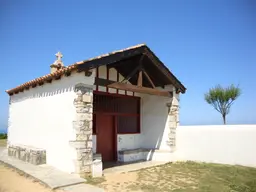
[[82, 188], [48, 175], [123, 168]]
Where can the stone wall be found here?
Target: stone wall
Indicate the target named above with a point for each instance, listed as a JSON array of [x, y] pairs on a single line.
[[83, 128], [28, 154]]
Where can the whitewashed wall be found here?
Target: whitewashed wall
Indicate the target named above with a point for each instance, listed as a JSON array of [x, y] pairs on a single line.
[[230, 144], [128, 141], [42, 117], [154, 119]]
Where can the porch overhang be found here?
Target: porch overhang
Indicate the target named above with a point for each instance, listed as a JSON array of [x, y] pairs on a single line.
[[140, 57]]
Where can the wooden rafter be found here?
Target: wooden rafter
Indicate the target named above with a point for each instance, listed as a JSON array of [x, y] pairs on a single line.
[[149, 79], [139, 83], [138, 68], [131, 74]]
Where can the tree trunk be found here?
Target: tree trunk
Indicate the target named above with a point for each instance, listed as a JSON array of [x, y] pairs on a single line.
[[224, 119]]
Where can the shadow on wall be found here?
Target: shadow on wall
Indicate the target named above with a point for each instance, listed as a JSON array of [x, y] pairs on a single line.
[[154, 121], [46, 90]]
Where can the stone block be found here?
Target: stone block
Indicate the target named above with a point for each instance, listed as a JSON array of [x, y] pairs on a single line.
[[81, 109], [17, 152], [89, 144], [13, 151], [84, 150], [23, 154], [37, 157], [97, 168], [87, 168], [172, 124], [172, 118], [82, 125], [87, 98], [83, 135], [88, 125], [89, 137], [97, 156], [83, 116], [78, 144], [28, 154], [85, 157], [79, 103], [80, 137]]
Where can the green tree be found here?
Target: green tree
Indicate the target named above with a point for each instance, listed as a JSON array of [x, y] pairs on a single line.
[[222, 98]]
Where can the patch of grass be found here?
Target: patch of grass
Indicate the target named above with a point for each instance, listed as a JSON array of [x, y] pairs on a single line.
[[95, 181], [3, 135], [188, 177], [3, 142]]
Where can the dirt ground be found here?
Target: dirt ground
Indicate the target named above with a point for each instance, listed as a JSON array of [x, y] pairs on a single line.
[[120, 182], [3, 142], [11, 181]]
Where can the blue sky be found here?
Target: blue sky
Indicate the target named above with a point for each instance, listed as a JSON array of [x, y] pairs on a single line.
[[204, 43]]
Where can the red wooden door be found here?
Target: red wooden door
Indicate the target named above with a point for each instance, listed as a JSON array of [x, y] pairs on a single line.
[[105, 137]]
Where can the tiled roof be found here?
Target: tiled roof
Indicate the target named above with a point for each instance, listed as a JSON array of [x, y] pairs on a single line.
[[60, 72]]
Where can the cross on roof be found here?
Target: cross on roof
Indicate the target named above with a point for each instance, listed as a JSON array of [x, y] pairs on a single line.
[[59, 56]]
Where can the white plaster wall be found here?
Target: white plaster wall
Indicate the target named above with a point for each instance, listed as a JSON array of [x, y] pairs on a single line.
[[154, 127], [228, 144], [128, 141], [154, 120], [42, 117]]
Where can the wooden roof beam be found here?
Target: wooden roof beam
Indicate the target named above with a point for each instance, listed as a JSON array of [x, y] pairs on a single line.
[[138, 89]]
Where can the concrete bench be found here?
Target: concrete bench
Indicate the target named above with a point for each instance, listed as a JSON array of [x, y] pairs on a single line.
[[131, 155], [35, 156], [142, 154]]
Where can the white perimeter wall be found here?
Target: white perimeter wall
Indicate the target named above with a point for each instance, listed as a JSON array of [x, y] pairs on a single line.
[[42, 117], [230, 144]]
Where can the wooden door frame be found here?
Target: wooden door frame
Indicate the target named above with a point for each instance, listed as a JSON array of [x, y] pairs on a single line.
[[114, 132]]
